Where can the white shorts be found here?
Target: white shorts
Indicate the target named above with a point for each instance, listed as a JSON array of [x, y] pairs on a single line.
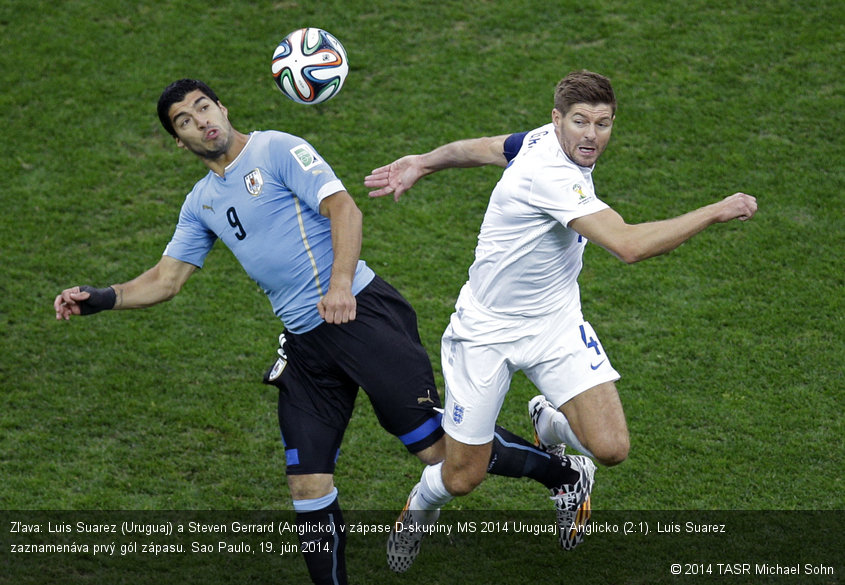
[[481, 351]]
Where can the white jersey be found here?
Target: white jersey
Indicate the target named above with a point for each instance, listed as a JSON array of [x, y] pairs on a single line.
[[527, 260]]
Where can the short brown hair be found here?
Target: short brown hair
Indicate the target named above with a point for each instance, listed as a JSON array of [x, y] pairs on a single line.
[[176, 92], [583, 87]]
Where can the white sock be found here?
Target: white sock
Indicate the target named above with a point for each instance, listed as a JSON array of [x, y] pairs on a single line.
[[432, 494], [555, 425]]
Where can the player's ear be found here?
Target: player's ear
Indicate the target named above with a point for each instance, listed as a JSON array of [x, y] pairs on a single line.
[[179, 142], [223, 109]]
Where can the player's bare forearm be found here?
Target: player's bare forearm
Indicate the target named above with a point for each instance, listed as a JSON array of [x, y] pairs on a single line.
[[472, 152], [662, 237], [159, 283], [400, 175], [633, 243], [339, 305]]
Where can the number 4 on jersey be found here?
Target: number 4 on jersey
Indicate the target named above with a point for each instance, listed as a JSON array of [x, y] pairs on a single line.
[[591, 342]]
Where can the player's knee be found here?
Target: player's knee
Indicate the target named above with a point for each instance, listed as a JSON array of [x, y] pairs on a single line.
[[429, 458], [310, 486], [613, 452], [434, 454], [460, 481], [611, 458], [462, 484], [465, 466]]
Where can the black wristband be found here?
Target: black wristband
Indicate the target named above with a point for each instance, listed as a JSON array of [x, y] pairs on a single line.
[[101, 299]]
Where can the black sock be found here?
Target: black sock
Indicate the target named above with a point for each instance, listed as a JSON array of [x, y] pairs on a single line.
[[513, 456], [323, 544]]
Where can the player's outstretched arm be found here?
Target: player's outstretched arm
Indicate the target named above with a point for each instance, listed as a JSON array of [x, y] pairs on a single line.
[[160, 283], [634, 242], [402, 174]]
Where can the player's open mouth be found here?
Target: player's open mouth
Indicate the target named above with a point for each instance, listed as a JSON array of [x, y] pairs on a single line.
[[212, 134]]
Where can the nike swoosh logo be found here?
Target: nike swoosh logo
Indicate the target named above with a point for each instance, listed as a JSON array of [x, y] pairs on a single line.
[[597, 366]]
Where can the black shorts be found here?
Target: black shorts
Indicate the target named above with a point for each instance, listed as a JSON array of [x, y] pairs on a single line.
[[320, 372]]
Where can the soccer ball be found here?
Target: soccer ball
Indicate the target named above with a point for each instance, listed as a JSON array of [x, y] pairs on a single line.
[[309, 66]]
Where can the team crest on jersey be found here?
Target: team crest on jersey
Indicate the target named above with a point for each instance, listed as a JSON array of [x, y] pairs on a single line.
[[305, 156], [458, 414], [254, 182]]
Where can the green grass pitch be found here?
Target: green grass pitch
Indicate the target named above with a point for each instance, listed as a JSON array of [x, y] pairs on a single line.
[[730, 348]]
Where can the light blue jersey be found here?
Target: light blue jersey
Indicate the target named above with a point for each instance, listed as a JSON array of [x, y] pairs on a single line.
[[266, 211]]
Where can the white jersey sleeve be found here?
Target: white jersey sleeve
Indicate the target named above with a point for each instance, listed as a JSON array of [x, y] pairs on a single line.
[[564, 193]]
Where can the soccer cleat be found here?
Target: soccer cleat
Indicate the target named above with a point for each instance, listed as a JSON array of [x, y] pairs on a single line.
[[403, 545], [573, 503], [535, 406]]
